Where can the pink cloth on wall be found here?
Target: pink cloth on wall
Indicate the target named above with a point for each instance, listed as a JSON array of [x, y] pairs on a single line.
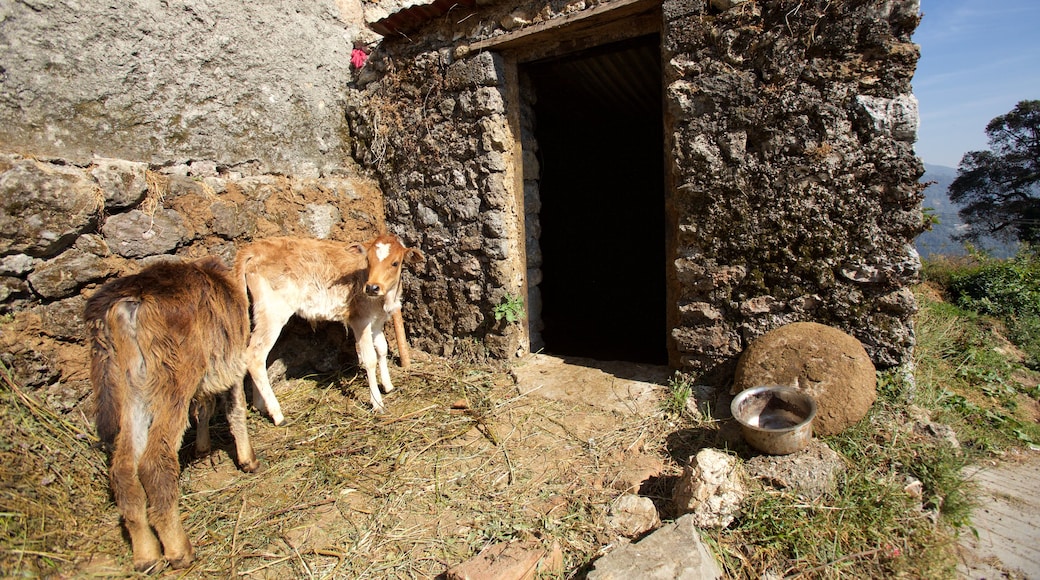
[[358, 58]]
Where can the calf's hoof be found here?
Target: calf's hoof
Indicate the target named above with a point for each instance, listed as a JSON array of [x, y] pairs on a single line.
[[145, 565], [250, 466], [178, 562], [181, 563]]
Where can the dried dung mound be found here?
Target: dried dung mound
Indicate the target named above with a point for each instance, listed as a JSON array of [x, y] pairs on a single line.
[[821, 360]]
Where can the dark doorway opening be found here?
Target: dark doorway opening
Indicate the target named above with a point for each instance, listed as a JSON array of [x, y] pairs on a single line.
[[598, 119]]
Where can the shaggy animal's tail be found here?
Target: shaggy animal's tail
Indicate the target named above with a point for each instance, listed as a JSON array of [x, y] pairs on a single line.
[[117, 365]]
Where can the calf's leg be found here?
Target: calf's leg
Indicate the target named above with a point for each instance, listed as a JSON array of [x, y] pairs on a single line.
[[402, 339], [367, 357], [379, 341], [270, 317], [203, 413], [236, 414]]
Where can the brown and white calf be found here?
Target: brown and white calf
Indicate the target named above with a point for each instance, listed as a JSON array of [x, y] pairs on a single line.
[[322, 280], [171, 335]]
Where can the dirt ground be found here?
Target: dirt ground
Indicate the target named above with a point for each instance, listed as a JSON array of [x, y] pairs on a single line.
[[466, 456], [469, 454]]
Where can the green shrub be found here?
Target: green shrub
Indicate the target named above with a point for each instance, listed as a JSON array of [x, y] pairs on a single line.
[[1005, 289], [1025, 333], [1001, 288], [963, 368]]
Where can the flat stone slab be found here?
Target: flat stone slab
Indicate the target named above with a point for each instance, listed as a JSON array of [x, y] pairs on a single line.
[[1008, 523], [629, 388], [674, 552]]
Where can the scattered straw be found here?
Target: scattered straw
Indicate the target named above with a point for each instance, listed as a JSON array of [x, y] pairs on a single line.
[[158, 188], [54, 487], [464, 459], [342, 492]]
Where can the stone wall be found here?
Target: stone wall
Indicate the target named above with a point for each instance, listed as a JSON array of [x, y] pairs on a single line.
[[437, 135], [65, 229], [255, 86], [131, 132], [795, 181], [792, 181], [135, 131]]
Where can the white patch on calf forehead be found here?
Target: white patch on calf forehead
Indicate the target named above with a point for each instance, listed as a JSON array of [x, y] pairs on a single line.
[[382, 250]]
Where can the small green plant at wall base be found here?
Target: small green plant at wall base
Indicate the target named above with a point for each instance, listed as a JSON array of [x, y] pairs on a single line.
[[680, 388], [512, 309]]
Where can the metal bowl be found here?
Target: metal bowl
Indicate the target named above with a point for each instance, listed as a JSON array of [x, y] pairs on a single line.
[[775, 419]]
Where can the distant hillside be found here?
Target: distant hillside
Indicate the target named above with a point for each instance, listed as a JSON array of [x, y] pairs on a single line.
[[939, 240]]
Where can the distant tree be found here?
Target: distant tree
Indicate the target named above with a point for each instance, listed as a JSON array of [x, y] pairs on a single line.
[[999, 190]]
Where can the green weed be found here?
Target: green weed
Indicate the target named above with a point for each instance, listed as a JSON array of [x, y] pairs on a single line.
[[1009, 291], [967, 372], [511, 309], [680, 389]]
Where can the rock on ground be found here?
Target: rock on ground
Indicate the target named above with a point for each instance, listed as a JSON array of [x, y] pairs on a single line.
[[510, 561], [710, 489], [673, 552], [812, 472], [633, 515]]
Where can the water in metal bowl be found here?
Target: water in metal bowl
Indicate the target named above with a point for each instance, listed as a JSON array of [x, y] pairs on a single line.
[[775, 419]]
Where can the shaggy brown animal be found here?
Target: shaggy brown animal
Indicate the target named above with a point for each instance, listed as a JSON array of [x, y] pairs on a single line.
[[322, 280], [171, 335]]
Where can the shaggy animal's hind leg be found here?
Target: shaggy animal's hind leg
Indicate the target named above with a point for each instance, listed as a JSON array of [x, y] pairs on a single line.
[[203, 414], [159, 471], [132, 502], [236, 414]]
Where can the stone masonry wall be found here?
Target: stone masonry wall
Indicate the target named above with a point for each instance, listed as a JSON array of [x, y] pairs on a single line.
[[256, 86], [436, 133], [131, 132], [795, 181], [792, 182], [135, 131], [66, 229]]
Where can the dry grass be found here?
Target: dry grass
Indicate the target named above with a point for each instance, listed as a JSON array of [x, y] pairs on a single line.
[[462, 460], [54, 481], [158, 188]]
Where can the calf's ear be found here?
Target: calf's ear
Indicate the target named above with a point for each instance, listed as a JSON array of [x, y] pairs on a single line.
[[412, 256], [358, 248]]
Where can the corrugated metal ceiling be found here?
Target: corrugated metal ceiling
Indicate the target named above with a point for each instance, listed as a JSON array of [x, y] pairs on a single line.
[[621, 78], [408, 20]]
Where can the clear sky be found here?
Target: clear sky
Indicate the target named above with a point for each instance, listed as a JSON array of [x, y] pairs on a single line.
[[979, 58]]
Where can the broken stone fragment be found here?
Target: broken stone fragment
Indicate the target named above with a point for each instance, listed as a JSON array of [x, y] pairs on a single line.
[[633, 515], [812, 472], [511, 561], [711, 489], [674, 551]]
